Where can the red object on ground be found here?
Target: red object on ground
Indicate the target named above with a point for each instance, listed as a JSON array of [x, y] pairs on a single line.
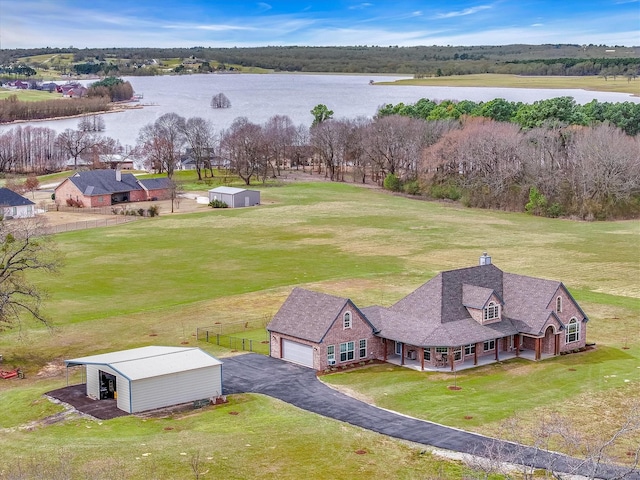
[[8, 374]]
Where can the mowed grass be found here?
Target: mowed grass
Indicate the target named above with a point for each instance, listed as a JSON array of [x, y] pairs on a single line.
[[619, 85], [155, 281], [29, 95]]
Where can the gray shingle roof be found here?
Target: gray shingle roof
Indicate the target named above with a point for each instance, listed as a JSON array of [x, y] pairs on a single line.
[[307, 315], [434, 314], [10, 198], [103, 182], [155, 183]]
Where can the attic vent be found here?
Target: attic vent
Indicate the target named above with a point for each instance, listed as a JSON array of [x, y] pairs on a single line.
[[485, 259]]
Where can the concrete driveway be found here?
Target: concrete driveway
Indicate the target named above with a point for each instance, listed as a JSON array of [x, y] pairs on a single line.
[[299, 386]]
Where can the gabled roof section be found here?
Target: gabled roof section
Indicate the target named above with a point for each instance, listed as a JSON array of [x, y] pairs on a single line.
[[147, 362], [526, 300], [307, 315], [476, 297], [9, 198], [155, 183], [104, 182]]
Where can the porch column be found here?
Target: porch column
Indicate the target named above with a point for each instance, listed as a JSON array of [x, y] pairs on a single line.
[[538, 347], [402, 354], [497, 347], [556, 348], [450, 354], [280, 355], [421, 353], [384, 340], [475, 355], [516, 341]]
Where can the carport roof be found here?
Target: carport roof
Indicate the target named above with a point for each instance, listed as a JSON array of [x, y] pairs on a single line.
[[228, 190], [153, 361]]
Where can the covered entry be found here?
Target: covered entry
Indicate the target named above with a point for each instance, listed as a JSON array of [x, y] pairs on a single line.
[[108, 385], [297, 353]]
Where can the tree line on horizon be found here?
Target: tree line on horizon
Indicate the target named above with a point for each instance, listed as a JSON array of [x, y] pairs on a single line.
[[549, 59]]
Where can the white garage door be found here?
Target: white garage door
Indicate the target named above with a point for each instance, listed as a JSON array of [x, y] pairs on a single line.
[[297, 353]]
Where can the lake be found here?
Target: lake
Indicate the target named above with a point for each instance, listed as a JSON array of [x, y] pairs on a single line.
[[259, 97]]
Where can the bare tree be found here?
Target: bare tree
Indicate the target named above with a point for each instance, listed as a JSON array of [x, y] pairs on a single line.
[[607, 170], [242, 144], [279, 133], [161, 142], [75, 143], [25, 248], [91, 123], [220, 100], [200, 138], [328, 142], [394, 144]]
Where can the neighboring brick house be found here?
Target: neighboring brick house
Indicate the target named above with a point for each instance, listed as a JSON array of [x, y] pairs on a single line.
[[101, 188], [456, 317]]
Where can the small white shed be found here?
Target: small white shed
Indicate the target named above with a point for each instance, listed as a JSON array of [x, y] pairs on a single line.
[[147, 378], [235, 197]]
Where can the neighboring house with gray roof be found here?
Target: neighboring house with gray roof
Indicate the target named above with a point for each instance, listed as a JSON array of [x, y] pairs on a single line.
[[101, 188], [456, 317], [14, 205]]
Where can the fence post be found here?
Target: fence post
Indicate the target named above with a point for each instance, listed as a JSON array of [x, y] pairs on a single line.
[[207, 336], [218, 338]]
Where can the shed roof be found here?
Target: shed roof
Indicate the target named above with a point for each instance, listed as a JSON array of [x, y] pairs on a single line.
[[148, 362], [227, 190]]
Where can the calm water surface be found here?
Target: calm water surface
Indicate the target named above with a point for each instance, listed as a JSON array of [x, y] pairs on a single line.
[[259, 97]]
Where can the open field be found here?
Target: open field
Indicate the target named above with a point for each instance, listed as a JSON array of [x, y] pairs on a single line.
[[29, 95], [156, 281], [619, 85]]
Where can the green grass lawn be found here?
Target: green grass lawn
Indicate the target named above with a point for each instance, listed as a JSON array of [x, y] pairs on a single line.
[[29, 95], [619, 85], [156, 281]]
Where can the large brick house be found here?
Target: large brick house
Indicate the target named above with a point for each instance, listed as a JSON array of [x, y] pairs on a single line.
[[101, 188], [456, 318]]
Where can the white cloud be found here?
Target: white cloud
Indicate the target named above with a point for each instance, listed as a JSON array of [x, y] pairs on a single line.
[[263, 7], [462, 13]]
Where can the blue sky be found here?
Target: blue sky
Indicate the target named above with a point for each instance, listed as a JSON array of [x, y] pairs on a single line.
[[240, 23]]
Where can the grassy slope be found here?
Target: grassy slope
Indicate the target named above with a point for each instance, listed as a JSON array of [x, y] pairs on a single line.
[[155, 281], [619, 85]]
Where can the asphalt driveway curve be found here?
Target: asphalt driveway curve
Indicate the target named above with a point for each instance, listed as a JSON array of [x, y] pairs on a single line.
[[297, 385]]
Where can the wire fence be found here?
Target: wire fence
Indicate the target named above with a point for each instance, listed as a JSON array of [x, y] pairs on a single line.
[[236, 343], [248, 335], [86, 224]]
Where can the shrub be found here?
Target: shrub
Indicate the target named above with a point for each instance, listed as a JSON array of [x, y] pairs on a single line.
[[74, 203], [218, 204], [153, 210], [141, 212], [412, 187], [392, 182]]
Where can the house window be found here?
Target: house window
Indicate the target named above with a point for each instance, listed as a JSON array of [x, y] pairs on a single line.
[[14, 211], [398, 348], [470, 349], [100, 199], [492, 311], [573, 331], [427, 354], [457, 353], [363, 348], [346, 320], [558, 304], [490, 345], [347, 351], [331, 354]]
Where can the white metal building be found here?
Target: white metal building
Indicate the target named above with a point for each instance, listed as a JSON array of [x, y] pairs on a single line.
[[152, 377], [235, 197]]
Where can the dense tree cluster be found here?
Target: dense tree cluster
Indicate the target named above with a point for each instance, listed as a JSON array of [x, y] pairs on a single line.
[[560, 110], [113, 88], [12, 109]]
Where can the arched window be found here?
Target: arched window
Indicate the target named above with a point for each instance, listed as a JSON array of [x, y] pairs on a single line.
[[346, 320], [558, 304], [573, 331], [492, 311]]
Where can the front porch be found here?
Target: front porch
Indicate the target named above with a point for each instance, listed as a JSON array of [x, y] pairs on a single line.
[[468, 363]]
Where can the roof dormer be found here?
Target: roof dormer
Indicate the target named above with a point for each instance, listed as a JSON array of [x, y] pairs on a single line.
[[483, 304]]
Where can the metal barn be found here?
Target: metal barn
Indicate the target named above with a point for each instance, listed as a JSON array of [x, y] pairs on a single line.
[[235, 197], [147, 378]]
